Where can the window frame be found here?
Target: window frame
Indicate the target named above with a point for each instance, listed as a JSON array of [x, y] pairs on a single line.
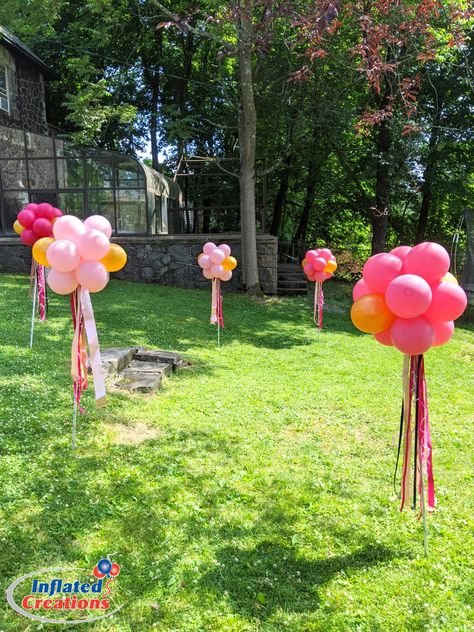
[[5, 94]]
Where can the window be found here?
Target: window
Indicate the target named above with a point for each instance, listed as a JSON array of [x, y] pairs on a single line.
[[4, 100]]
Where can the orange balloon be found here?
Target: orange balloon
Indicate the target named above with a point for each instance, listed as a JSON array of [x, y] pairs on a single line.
[[330, 266], [18, 228], [304, 262], [115, 259], [450, 278], [39, 251], [229, 263], [371, 314]]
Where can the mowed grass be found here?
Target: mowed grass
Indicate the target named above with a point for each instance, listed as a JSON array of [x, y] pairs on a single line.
[[262, 497]]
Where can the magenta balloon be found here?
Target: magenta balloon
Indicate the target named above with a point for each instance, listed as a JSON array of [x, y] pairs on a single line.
[[32, 206], [28, 237], [93, 245], [311, 255], [408, 296], [217, 270], [204, 261], [42, 227], [62, 282], [91, 275], [63, 256], [226, 275], [443, 333], [428, 260], [325, 253], [207, 273], [58, 212], [226, 249], [319, 264], [308, 268], [360, 289], [401, 252], [45, 210], [384, 338], [217, 256], [413, 336], [321, 276], [68, 227], [98, 222], [26, 218], [311, 276], [448, 303], [380, 270], [208, 248]]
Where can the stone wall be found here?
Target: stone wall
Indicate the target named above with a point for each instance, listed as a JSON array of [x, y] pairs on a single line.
[[165, 259]]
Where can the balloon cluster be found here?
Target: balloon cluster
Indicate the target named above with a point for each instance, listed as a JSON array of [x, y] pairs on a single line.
[[216, 261], [106, 568], [319, 265], [36, 221], [79, 253], [408, 299]]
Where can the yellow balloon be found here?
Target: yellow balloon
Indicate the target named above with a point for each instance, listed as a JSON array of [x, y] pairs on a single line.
[[18, 228], [304, 262], [39, 251], [450, 278], [371, 314], [115, 259], [330, 266], [229, 263]]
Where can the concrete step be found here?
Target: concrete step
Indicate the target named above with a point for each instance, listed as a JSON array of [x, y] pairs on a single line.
[[152, 355], [149, 367], [115, 360], [289, 267], [292, 282], [139, 381]]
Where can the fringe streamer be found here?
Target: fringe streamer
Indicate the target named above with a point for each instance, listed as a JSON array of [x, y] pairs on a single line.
[[94, 349], [318, 304], [217, 315], [41, 292], [79, 350]]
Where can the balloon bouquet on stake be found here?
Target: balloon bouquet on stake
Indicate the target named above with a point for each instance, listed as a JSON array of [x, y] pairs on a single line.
[[81, 257], [217, 265], [409, 300], [319, 265], [34, 225]]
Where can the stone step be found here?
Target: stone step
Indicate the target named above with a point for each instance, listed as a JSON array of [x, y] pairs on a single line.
[[149, 367], [115, 360], [289, 267], [139, 381], [292, 283], [152, 355], [287, 291]]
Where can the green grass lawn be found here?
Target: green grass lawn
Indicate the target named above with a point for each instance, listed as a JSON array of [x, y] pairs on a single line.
[[254, 491]]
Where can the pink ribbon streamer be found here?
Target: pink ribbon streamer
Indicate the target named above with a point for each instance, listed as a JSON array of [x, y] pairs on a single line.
[[217, 315], [94, 349], [41, 292], [318, 304]]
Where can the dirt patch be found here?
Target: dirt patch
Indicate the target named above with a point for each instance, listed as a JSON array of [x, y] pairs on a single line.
[[132, 434]]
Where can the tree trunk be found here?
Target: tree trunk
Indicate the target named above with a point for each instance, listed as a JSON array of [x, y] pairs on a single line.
[[247, 142], [281, 197], [382, 189]]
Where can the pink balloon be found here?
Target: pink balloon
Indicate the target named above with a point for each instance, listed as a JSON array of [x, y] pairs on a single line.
[[308, 268], [45, 210], [384, 338], [448, 302], [91, 275], [58, 212], [332, 258], [62, 282], [319, 264], [408, 296], [401, 252], [322, 276], [93, 245], [31, 207], [360, 289], [217, 256], [207, 273], [68, 227], [226, 275], [443, 333], [26, 218], [428, 260], [413, 336], [225, 249], [379, 270], [63, 255], [98, 222], [28, 237], [42, 227], [217, 270], [311, 277], [204, 261], [325, 253], [311, 255], [208, 248]]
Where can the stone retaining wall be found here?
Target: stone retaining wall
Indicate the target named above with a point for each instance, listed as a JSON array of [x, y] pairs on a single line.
[[165, 259]]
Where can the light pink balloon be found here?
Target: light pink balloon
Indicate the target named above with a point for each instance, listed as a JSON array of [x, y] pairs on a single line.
[[204, 261], [62, 282], [443, 333], [93, 245], [217, 256], [311, 276], [308, 268], [448, 303], [428, 260], [379, 270], [408, 296], [98, 222], [68, 227], [311, 255], [322, 276], [413, 336], [319, 264], [360, 289], [325, 253], [207, 273], [384, 338], [401, 252], [63, 256], [225, 249], [226, 275], [217, 270], [91, 275], [208, 248]]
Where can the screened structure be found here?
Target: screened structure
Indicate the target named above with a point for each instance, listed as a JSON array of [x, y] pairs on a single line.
[[39, 168]]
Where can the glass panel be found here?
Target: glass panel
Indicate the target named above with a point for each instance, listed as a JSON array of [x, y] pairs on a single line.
[[65, 150], [70, 173], [102, 203], [39, 146], [42, 174], [99, 173], [131, 211], [13, 174], [72, 203], [129, 173], [13, 202], [12, 143]]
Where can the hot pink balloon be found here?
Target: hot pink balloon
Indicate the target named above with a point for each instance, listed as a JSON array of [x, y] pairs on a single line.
[[408, 296], [448, 303], [443, 333], [26, 217], [98, 222], [311, 255], [91, 275], [322, 276], [401, 252], [63, 256], [208, 248], [226, 275], [225, 249], [42, 227], [311, 276], [428, 260], [45, 210], [319, 264], [93, 245], [204, 261], [28, 237], [217, 256], [62, 282], [58, 212], [207, 273], [308, 268], [413, 336], [380, 270], [384, 338], [32, 206], [325, 253], [68, 227], [217, 270], [360, 289]]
